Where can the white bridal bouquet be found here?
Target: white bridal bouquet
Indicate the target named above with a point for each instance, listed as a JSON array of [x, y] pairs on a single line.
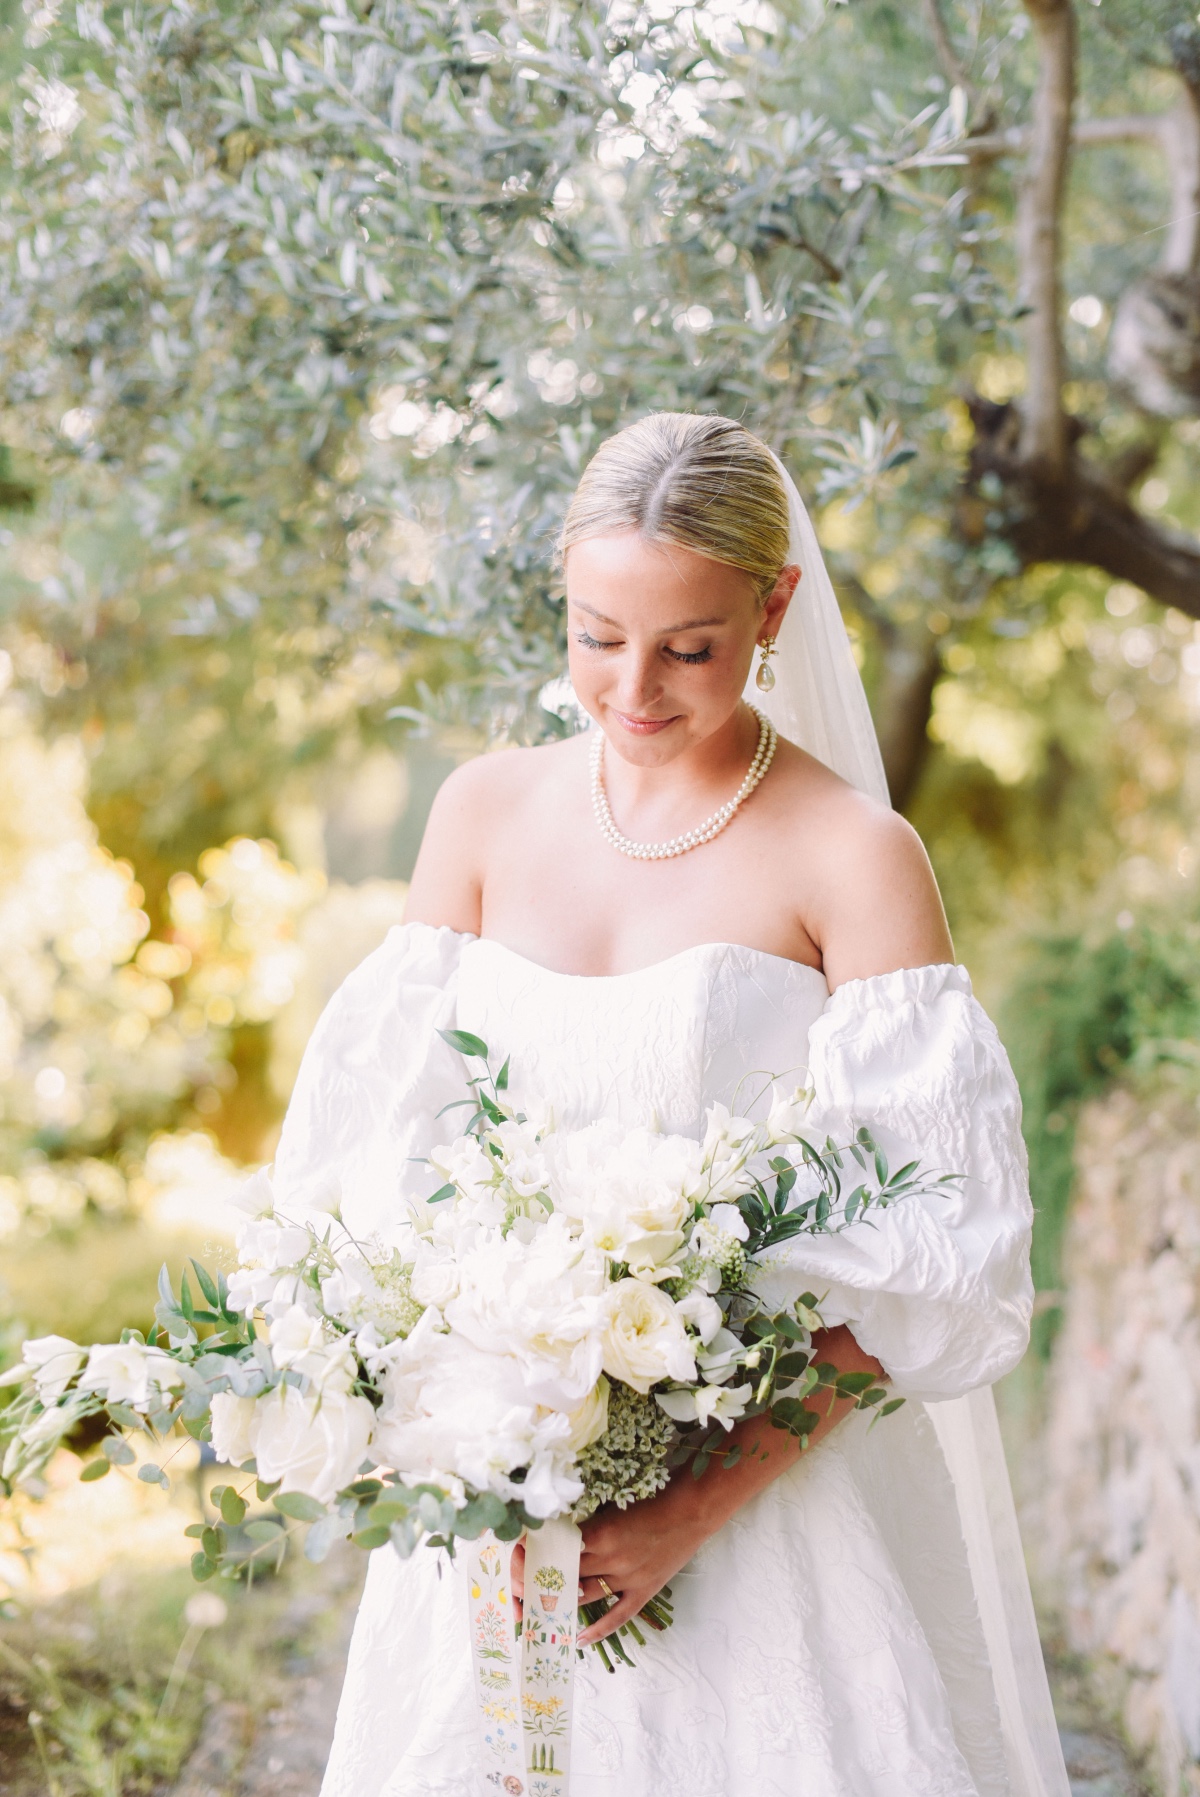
[[569, 1317]]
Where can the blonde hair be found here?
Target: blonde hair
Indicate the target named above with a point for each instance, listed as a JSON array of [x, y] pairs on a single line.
[[700, 481]]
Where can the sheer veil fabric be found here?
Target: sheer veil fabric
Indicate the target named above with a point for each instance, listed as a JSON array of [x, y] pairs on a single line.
[[818, 702]]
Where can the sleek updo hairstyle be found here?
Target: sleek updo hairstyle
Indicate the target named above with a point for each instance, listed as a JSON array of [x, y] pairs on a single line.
[[682, 477]]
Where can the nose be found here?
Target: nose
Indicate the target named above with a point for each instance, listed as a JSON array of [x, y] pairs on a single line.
[[639, 682]]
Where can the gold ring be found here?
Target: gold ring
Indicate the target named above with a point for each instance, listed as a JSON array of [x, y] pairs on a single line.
[[607, 1589]]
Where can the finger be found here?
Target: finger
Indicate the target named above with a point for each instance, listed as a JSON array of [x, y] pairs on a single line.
[[591, 1591], [517, 1570], [628, 1605]]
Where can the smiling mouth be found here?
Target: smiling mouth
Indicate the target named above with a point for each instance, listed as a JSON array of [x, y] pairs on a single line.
[[642, 726]]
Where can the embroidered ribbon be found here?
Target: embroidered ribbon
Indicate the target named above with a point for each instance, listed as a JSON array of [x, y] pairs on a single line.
[[523, 1683]]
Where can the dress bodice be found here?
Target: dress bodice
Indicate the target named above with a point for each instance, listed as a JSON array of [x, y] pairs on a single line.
[[715, 1023]]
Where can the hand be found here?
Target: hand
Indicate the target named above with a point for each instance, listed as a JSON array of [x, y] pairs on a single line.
[[638, 1551]]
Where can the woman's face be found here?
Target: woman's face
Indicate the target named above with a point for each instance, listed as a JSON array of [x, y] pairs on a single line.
[[661, 640]]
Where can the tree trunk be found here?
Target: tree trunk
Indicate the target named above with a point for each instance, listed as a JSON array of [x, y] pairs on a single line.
[[1044, 440]]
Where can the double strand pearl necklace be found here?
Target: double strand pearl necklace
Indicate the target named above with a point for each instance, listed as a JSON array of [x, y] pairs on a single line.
[[712, 826]]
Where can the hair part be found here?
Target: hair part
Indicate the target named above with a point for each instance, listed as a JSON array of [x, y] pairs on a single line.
[[701, 481]]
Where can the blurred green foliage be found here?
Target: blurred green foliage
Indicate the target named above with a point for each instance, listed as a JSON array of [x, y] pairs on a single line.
[[1081, 1014]]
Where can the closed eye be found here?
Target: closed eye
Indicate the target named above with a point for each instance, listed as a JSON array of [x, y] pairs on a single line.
[[590, 642], [697, 656]]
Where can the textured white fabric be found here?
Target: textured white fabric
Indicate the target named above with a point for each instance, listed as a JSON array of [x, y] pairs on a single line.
[[828, 1641]]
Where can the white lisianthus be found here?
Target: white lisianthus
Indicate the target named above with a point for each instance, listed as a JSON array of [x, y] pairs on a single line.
[[787, 1115], [644, 1336], [702, 1312], [55, 1362], [313, 1443], [272, 1245], [589, 1422], [233, 1427], [128, 1373]]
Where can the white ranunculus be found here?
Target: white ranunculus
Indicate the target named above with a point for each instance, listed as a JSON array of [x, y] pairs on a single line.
[[233, 1421], [55, 1362], [702, 1313], [589, 1422], [313, 1443], [128, 1373], [787, 1115], [272, 1245], [644, 1337]]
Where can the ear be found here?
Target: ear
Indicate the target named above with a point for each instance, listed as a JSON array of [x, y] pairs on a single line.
[[778, 600]]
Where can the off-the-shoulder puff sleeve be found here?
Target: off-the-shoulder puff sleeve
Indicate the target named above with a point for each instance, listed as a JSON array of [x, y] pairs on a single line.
[[939, 1290], [374, 1076]]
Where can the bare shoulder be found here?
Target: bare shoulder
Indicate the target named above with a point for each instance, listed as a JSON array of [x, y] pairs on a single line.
[[483, 797], [875, 901]]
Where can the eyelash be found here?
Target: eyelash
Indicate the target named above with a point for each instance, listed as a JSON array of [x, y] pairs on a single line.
[[590, 642]]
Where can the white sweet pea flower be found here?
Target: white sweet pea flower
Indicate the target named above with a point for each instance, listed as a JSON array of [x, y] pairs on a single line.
[[250, 1288], [703, 1314], [128, 1373], [787, 1115], [721, 1357], [233, 1422], [55, 1362], [726, 1135], [468, 1166], [271, 1245], [524, 1159], [722, 1404], [729, 1220], [644, 1337], [311, 1442], [255, 1197], [294, 1334]]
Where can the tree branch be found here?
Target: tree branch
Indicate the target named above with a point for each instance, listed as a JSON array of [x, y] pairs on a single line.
[[902, 699], [952, 65], [1082, 517], [1129, 128], [1181, 144], [1044, 443]]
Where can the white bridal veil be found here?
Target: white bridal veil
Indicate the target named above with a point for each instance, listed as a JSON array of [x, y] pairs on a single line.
[[818, 702]]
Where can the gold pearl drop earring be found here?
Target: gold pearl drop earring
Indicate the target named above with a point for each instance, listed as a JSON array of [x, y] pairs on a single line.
[[764, 680]]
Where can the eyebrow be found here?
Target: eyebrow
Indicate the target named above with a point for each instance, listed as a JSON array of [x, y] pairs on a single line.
[[671, 629]]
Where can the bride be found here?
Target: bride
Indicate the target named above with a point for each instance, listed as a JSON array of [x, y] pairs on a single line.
[[639, 916]]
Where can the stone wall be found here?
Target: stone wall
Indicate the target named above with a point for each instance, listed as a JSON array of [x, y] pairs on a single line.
[[1118, 1530]]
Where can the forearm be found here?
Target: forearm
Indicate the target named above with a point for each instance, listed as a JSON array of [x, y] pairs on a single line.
[[761, 1452]]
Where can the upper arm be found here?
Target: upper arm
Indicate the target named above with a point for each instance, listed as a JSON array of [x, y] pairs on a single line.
[[880, 908], [447, 882]]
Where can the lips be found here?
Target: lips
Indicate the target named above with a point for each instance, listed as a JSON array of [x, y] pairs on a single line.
[[642, 726]]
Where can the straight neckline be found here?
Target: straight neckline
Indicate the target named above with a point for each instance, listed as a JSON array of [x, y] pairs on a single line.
[[630, 973]]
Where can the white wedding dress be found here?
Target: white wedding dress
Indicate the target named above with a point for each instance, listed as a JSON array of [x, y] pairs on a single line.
[[843, 1636]]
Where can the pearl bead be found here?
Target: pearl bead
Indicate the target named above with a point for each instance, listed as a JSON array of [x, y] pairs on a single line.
[[705, 832]]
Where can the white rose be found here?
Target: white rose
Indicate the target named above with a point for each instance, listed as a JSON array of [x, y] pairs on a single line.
[[644, 1338], [315, 1443], [55, 1362], [233, 1421], [434, 1281], [589, 1422]]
